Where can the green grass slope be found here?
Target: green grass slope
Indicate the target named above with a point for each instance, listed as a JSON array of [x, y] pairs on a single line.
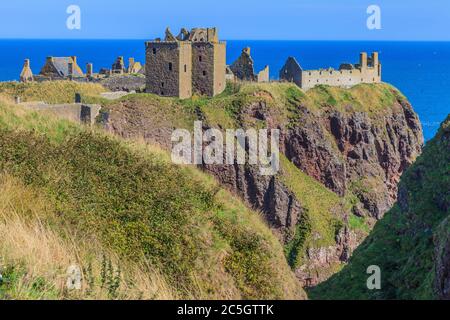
[[320, 223], [51, 91], [403, 243], [229, 110], [128, 217]]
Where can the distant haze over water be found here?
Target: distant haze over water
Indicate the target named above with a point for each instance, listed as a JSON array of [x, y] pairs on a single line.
[[421, 70]]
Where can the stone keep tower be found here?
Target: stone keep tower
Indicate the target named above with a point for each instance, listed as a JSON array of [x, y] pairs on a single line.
[[208, 62], [192, 62]]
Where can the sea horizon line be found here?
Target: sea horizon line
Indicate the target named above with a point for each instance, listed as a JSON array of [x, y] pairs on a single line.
[[255, 40]]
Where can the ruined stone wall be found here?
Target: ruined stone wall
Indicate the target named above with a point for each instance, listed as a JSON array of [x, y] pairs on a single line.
[[163, 69], [243, 67], [263, 75], [367, 71], [76, 112], [344, 78]]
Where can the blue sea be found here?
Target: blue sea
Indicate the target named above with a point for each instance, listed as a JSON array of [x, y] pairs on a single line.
[[421, 70]]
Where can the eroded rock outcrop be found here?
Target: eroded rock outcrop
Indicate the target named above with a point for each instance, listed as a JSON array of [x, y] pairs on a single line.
[[357, 152], [411, 244], [279, 205]]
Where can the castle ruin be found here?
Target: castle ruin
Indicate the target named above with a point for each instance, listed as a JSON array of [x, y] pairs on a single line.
[[192, 62], [367, 71], [243, 68], [118, 66], [134, 66], [67, 68], [57, 68]]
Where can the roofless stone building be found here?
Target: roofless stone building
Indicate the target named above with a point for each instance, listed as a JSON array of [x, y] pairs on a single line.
[[192, 62], [368, 70]]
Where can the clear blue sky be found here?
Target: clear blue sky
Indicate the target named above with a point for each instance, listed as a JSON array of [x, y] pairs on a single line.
[[237, 19]]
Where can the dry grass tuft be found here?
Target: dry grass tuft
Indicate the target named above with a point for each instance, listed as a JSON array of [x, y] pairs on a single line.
[[35, 258]]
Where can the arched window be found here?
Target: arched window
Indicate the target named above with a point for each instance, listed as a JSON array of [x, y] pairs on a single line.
[[185, 68], [170, 66], [200, 58], [154, 50]]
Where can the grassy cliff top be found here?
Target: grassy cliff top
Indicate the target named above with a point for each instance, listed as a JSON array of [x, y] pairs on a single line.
[[138, 226], [50, 91], [362, 97]]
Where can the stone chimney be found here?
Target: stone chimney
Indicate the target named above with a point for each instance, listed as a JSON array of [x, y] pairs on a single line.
[[375, 59], [131, 62], [70, 70], [26, 75], [363, 60], [89, 70]]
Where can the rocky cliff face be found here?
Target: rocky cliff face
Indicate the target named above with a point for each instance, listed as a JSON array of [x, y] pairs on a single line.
[[411, 244], [268, 194], [357, 152], [355, 144]]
